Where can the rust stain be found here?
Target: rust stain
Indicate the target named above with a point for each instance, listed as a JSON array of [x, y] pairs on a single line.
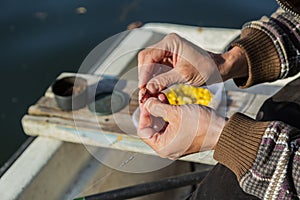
[[134, 25], [199, 29]]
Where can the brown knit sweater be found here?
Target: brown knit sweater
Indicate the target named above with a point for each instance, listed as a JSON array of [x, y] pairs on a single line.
[[259, 153]]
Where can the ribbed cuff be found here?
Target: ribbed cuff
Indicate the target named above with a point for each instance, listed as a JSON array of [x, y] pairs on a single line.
[[263, 60], [239, 142]]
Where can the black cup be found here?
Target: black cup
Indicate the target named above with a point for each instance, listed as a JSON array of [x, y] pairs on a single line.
[[70, 92]]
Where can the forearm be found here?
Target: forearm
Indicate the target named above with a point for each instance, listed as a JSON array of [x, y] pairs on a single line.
[[263, 62], [239, 142], [232, 63], [271, 46], [252, 59], [265, 156], [267, 50]]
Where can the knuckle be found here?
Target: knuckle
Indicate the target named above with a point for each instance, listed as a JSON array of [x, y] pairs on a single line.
[[141, 55], [173, 36], [185, 73], [163, 154], [188, 72]]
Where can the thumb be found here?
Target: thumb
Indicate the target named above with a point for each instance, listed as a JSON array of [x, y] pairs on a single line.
[[162, 81], [158, 109]]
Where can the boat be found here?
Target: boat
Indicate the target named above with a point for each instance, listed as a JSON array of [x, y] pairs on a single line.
[[49, 168]]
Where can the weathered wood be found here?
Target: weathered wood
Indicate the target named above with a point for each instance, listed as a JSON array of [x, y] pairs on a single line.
[[89, 134], [114, 131], [47, 106]]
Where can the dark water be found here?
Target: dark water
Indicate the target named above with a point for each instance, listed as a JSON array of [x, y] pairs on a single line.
[[40, 39]]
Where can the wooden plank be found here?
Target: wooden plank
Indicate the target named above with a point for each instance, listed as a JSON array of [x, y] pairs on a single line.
[[84, 132], [47, 106], [89, 134], [117, 130]]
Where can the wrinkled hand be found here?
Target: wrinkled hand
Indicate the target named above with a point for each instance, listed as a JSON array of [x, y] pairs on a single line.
[[189, 128], [175, 60]]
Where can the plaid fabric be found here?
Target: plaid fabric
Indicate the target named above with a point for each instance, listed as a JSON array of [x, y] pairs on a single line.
[[275, 173], [284, 30]]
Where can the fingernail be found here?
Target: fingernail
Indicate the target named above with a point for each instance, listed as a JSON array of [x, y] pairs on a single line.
[[146, 133], [147, 103], [162, 97], [156, 110]]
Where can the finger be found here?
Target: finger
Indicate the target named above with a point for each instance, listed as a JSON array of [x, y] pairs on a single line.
[[158, 109], [146, 133], [145, 94], [162, 81], [146, 63], [145, 117], [160, 52], [160, 142], [149, 125], [145, 73], [167, 62], [163, 98], [142, 93]]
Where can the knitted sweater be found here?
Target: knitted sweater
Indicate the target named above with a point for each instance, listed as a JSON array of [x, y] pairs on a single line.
[[265, 156]]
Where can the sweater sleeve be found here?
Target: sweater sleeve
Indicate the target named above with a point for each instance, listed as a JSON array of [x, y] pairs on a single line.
[[265, 156], [271, 46]]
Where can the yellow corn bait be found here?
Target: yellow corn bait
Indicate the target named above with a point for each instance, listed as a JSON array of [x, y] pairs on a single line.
[[186, 94]]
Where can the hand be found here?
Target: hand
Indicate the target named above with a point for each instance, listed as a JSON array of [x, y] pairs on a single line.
[[189, 128], [176, 60]]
